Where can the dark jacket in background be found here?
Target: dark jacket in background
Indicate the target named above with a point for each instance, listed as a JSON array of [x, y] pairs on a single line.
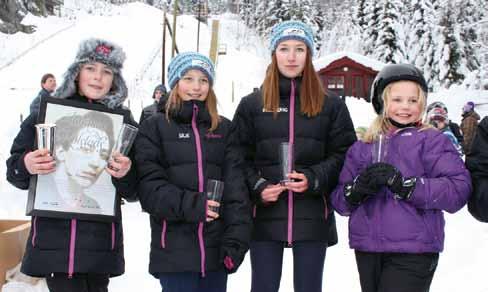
[[456, 131], [36, 102], [477, 163], [156, 106], [168, 167], [320, 143], [468, 127], [99, 246]]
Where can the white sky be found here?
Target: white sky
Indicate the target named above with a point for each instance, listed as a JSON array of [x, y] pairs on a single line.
[[137, 28]]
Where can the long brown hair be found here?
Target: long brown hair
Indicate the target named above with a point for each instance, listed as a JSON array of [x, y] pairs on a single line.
[[174, 103], [312, 94]]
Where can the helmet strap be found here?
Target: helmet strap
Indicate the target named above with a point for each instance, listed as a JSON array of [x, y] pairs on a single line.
[[401, 126]]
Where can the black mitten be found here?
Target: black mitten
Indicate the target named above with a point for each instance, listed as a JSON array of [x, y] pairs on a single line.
[[402, 187], [363, 186]]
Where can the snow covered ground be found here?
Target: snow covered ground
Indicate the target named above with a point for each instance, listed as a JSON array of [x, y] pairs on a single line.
[[137, 28]]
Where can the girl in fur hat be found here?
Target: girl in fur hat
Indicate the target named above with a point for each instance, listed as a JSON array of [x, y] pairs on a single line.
[[74, 254]]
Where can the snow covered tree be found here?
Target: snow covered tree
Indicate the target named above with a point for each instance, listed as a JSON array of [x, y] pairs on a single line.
[[389, 47], [448, 52], [467, 18], [370, 33], [420, 42]]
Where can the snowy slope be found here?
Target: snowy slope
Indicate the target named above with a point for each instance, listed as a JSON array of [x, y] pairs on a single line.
[[137, 28]]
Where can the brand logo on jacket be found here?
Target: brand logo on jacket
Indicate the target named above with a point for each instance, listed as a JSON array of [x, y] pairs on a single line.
[[406, 134], [280, 110], [184, 135], [213, 136]]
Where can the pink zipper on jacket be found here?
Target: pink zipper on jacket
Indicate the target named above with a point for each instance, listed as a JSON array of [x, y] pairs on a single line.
[[34, 232], [291, 129], [72, 241], [163, 235], [200, 185]]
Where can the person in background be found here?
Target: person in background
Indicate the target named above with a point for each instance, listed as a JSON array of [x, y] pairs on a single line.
[[72, 254], [395, 206], [477, 163], [360, 131], [48, 85], [179, 149], [159, 95], [437, 117], [468, 125], [291, 211], [452, 125]]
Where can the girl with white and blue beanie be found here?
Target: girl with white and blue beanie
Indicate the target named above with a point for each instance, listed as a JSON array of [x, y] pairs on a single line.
[[291, 107], [193, 247]]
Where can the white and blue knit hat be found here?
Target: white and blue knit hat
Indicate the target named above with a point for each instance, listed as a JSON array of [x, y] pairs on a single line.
[[291, 30], [184, 62]]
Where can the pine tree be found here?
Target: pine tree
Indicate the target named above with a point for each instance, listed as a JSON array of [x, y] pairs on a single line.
[[360, 15], [466, 19], [449, 49], [388, 47], [420, 41], [370, 34]]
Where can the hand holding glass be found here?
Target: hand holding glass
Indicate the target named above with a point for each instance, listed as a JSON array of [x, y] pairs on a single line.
[[45, 134], [286, 162], [215, 190], [125, 139]]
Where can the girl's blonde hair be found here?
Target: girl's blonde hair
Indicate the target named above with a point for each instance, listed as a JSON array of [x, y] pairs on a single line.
[[381, 124], [174, 104], [312, 94]]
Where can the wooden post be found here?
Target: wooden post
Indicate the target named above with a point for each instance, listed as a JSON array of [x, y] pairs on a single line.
[[214, 41], [163, 50], [175, 12], [198, 28]]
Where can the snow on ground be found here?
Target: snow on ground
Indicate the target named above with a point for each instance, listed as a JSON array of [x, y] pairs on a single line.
[[137, 28]]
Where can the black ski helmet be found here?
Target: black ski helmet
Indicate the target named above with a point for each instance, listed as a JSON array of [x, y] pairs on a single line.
[[392, 73]]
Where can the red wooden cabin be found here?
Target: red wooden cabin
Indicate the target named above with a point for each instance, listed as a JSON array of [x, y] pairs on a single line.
[[348, 74]]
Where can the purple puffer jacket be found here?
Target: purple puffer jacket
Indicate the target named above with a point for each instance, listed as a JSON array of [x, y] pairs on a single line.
[[385, 224]]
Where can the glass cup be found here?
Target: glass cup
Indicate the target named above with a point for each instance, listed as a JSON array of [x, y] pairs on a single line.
[[125, 139], [379, 149], [215, 190], [286, 162], [45, 134]]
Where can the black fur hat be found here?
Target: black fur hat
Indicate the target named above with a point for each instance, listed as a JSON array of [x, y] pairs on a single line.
[[97, 50]]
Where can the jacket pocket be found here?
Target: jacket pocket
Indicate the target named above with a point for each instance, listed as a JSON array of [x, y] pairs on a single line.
[[97, 236], [51, 233]]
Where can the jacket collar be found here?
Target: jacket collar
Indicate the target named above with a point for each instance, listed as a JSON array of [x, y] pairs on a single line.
[[285, 86], [185, 113]]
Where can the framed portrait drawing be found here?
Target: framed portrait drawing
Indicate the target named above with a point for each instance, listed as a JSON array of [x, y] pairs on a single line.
[[79, 187]]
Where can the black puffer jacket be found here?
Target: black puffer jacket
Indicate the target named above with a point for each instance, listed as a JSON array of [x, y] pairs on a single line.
[[477, 163], [175, 159], [98, 246], [320, 144]]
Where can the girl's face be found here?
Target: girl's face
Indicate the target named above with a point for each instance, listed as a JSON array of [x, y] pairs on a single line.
[[404, 105], [291, 56], [95, 80], [194, 85]]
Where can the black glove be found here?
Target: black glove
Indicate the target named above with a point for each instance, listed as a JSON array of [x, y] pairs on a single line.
[[368, 183], [402, 187]]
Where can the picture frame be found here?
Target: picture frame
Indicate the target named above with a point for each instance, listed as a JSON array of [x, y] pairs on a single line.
[[80, 187]]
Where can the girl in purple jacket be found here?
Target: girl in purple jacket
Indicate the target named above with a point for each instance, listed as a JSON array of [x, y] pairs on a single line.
[[395, 206]]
